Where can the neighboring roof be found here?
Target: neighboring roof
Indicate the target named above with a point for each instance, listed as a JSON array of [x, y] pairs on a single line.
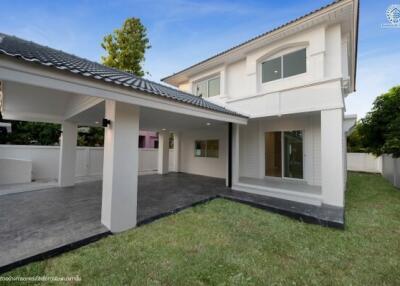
[[32, 52], [252, 39]]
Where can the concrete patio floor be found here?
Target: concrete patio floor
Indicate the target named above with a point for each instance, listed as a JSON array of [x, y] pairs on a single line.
[[39, 221], [36, 222]]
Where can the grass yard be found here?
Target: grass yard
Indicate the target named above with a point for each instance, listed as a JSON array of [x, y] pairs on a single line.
[[227, 243]]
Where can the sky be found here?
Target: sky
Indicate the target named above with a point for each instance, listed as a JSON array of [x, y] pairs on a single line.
[[184, 32]]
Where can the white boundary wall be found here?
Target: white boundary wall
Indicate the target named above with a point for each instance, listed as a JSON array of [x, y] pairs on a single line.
[[391, 169], [89, 161], [364, 162]]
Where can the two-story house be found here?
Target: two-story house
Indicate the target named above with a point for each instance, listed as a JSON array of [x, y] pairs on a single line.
[[267, 116], [292, 83]]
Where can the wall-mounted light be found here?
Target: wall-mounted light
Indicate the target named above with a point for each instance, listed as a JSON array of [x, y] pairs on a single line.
[[106, 122], [208, 123]]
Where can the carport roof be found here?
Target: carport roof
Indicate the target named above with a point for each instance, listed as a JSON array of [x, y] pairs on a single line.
[[32, 52]]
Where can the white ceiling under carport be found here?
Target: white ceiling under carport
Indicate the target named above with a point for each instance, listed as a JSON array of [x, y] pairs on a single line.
[[150, 119], [34, 103]]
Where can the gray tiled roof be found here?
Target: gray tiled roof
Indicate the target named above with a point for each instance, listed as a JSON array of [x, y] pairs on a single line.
[[32, 52]]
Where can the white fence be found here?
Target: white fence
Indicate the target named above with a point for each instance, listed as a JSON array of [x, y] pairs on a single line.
[[388, 166], [364, 162], [391, 169], [89, 160]]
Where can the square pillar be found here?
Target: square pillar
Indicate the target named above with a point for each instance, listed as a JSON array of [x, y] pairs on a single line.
[[177, 150], [235, 154], [68, 140], [332, 159], [120, 168], [228, 180], [163, 152]]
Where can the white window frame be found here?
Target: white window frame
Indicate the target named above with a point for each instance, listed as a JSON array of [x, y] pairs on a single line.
[[283, 177], [281, 55], [207, 79]]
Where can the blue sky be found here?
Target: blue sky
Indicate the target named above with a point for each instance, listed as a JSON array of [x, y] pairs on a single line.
[[183, 32]]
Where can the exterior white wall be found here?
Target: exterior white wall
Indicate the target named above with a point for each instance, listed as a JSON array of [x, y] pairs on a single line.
[[318, 89], [14, 171], [89, 160], [391, 169], [364, 162], [212, 167], [332, 157], [252, 145]]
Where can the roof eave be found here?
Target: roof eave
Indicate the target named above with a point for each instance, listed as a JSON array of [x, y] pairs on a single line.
[[174, 78]]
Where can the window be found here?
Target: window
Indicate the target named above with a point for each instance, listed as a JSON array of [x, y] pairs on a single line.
[[285, 66], [206, 148], [207, 88], [284, 154], [142, 141]]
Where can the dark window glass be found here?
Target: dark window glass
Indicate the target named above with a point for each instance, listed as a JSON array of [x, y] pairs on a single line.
[[294, 63], [212, 148], [206, 148], [141, 141], [156, 144], [271, 70], [273, 154], [200, 148], [293, 144]]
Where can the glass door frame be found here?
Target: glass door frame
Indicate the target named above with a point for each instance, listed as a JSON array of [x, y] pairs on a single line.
[[282, 177]]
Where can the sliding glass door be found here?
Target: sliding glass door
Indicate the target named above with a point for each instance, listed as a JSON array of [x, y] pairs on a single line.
[[273, 154], [284, 154], [293, 154]]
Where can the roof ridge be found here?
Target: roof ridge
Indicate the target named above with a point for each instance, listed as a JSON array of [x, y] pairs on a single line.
[[253, 38]]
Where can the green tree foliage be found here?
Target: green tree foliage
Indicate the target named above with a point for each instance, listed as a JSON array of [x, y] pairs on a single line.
[[32, 133], [354, 141], [37, 133], [126, 47], [380, 129], [94, 137]]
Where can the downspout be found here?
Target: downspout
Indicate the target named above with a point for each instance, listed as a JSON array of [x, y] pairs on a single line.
[[230, 138]]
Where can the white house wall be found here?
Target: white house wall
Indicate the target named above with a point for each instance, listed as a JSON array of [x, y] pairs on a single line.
[[213, 167], [89, 161], [317, 89], [252, 145]]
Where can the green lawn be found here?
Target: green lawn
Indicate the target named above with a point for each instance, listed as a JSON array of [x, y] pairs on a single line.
[[227, 243]]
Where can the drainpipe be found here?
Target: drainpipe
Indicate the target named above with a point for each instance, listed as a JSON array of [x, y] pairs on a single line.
[[230, 138]]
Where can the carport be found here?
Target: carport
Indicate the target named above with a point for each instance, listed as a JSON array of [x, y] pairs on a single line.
[[46, 85], [44, 222]]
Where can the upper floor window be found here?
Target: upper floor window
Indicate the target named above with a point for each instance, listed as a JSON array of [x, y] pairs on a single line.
[[284, 66], [207, 88]]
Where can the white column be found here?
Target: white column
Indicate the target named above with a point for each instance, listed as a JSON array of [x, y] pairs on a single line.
[[177, 151], [120, 167], [235, 154], [163, 152], [332, 159], [68, 139]]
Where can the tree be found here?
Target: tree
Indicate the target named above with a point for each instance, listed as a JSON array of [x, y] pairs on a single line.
[[380, 129], [126, 47], [32, 133], [354, 141], [38, 133], [94, 137]]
